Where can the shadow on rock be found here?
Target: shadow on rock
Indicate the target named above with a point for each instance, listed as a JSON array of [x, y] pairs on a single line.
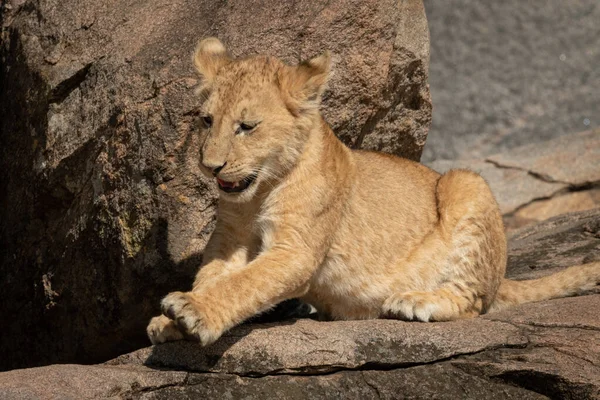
[[191, 356]]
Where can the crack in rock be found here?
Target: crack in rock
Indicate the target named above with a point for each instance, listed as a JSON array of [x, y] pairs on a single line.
[[537, 175]]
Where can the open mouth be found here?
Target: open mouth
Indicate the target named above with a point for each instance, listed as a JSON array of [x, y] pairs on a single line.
[[236, 187]]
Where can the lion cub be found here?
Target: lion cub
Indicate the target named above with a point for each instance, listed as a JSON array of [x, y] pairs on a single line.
[[356, 234]]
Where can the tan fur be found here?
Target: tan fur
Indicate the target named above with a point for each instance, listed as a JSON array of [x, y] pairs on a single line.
[[356, 234]]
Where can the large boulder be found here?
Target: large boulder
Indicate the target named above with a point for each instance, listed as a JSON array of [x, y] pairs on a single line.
[[541, 350], [103, 207], [507, 73]]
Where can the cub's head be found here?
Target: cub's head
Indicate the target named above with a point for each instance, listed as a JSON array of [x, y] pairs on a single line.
[[256, 116]]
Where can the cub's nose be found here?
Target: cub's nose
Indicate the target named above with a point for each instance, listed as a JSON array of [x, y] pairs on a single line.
[[214, 167]]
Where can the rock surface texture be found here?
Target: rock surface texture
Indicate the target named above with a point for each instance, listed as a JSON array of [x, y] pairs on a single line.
[[536, 351], [507, 73], [103, 207]]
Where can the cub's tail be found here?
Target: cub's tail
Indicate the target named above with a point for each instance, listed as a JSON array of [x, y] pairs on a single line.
[[565, 283]]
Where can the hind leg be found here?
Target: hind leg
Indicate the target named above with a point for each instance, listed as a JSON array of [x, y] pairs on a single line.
[[459, 266], [443, 304]]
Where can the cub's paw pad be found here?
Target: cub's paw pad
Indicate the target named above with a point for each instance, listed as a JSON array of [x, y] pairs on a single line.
[[411, 306], [161, 329], [190, 317]]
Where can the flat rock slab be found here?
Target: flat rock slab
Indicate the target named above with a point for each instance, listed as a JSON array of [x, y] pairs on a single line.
[[71, 381], [571, 159], [307, 346], [567, 239], [562, 359], [439, 381], [580, 312]]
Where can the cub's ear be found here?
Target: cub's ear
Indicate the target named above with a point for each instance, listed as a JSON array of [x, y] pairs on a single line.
[[210, 56], [315, 74], [305, 83]]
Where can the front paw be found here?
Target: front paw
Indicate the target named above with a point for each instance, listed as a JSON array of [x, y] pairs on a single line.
[[192, 317], [161, 329]]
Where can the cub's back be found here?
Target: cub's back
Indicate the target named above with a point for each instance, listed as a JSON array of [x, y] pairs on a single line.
[[405, 186], [392, 202]]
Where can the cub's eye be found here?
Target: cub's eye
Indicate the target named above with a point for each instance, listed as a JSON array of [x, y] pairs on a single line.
[[207, 121], [247, 126]]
